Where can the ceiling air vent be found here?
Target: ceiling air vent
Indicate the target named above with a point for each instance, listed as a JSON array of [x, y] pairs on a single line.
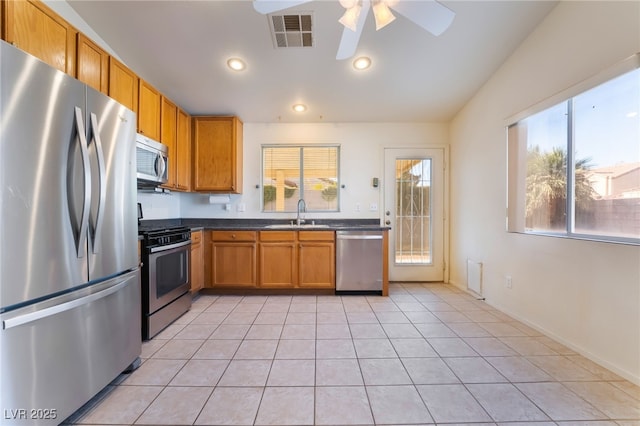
[[292, 30]]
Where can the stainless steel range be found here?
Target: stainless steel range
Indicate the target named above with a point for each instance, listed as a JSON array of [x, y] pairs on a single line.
[[165, 277]]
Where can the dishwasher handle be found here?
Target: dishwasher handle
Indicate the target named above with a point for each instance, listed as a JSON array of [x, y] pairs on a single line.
[[359, 237]]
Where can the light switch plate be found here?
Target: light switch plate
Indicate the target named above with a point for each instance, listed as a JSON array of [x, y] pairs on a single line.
[[373, 207]]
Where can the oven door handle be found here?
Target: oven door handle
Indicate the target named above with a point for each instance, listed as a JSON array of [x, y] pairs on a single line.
[[169, 247]]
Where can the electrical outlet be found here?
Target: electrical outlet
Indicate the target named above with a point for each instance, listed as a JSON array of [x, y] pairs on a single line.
[[508, 283], [357, 207], [373, 207]]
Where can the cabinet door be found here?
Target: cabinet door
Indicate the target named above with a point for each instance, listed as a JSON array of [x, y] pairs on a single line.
[[168, 136], [278, 265], [217, 154], [148, 110], [278, 259], [317, 264], [33, 27], [183, 161], [233, 264], [92, 64], [123, 84], [197, 266]]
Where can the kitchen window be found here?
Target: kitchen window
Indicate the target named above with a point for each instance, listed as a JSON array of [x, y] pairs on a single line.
[[574, 166], [294, 172]]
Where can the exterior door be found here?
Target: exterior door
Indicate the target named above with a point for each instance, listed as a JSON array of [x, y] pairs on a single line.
[[414, 208]]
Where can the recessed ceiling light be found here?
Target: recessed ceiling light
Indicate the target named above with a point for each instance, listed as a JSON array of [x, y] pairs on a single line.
[[299, 108], [362, 63], [236, 64]]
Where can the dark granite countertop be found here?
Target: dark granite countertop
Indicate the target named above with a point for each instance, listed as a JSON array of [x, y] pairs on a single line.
[[272, 224]]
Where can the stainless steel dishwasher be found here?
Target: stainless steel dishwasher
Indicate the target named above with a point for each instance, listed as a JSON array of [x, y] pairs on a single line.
[[359, 261]]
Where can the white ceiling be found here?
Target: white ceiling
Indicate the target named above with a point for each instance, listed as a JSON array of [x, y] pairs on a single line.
[[181, 47]]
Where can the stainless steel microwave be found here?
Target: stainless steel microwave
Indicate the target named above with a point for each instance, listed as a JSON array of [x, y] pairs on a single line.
[[152, 164]]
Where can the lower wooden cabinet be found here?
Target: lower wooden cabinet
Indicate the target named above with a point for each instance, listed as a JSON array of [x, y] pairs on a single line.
[[231, 259], [270, 259], [197, 262], [317, 259], [278, 266], [297, 259]]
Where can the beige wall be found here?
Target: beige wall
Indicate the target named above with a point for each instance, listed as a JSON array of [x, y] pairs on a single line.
[[585, 294], [361, 159]]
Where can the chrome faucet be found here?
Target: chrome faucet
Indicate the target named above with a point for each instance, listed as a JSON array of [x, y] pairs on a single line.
[[304, 209]]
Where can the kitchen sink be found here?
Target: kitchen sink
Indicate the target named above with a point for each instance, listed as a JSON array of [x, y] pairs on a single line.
[[294, 226]]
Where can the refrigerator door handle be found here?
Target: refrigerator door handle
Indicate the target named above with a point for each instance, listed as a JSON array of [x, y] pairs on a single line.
[[102, 178], [81, 238], [67, 306]]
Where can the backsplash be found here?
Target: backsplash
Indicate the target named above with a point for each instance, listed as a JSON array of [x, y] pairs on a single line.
[[159, 206]]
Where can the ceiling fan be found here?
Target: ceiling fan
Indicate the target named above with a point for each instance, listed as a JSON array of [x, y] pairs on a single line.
[[428, 14]]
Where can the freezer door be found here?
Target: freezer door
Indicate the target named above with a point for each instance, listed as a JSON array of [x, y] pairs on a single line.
[[113, 221], [56, 355], [43, 182]]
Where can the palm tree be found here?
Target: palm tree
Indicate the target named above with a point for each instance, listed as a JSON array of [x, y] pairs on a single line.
[[546, 188]]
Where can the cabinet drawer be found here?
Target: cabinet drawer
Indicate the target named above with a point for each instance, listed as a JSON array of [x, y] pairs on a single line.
[[196, 237], [277, 235], [316, 236], [233, 235]]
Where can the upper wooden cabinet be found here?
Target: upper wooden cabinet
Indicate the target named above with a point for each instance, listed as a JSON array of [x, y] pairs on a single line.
[[123, 84], [217, 154], [92, 64], [175, 133], [168, 136], [148, 110], [33, 27], [183, 162]]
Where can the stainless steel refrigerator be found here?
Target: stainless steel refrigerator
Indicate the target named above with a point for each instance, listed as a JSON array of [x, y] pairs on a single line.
[[69, 276]]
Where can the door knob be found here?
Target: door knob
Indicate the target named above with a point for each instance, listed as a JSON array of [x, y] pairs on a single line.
[[387, 222]]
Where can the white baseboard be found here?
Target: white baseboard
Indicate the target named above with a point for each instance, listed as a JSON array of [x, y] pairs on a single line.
[[578, 349]]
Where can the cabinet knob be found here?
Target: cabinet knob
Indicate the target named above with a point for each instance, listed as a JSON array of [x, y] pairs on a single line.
[[233, 236], [387, 222], [388, 213]]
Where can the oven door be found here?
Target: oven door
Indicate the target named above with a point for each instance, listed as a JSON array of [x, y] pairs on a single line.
[[168, 273]]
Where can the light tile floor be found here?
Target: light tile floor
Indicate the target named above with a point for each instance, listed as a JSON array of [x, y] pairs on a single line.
[[427, 354]]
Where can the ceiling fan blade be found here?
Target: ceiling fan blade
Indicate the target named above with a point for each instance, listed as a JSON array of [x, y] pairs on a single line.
[[270, 6], [429, 14], [349, 40]]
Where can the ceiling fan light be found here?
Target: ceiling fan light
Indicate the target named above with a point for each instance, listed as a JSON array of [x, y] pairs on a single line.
[[348, 4], [350, 17], [382, 14]]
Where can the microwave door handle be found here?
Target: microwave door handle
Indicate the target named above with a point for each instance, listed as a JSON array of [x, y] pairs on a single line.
[[160, 165], [81, 238], [102, 183]]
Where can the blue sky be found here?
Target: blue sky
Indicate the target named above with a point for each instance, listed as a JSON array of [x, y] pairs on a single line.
[[607, 123]]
